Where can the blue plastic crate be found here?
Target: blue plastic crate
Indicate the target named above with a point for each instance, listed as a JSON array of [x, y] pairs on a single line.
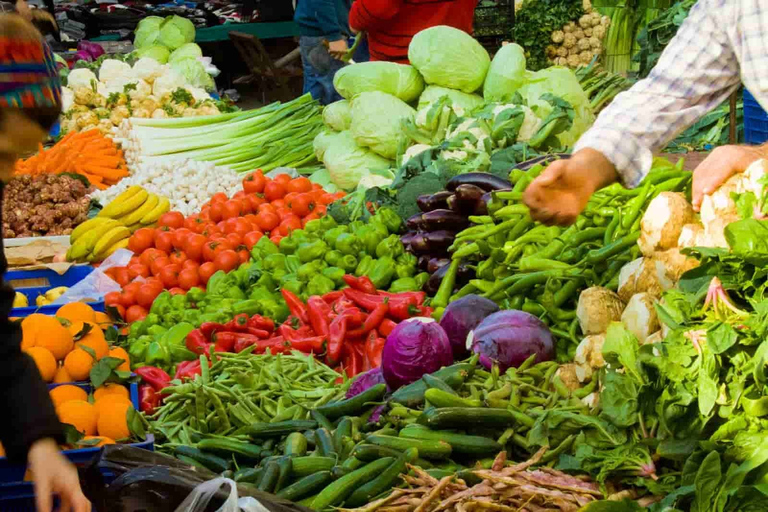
[[755, 120], [36, 282]]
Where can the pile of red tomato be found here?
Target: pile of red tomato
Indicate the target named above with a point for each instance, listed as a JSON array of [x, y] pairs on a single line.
[[182, 253]]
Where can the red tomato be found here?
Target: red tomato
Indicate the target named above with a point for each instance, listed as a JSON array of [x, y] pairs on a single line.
[[266, 207], [278, 203], [146, 295], [213, 248], [180, 237], [302, 205], [178, 257], [148, 256], [254, 183], [219, 197], [112, 299], [170, 276], [177, 291], [245, 206], [300, 184], [210, 231], [122, 276], [274, 191], [254, 202], [188, 278], [227, 260], [238, 194], [164, 241], [137, 270], [326, 198], [231, 209], [288, 224], [141, 240], [194, 247], [217, 211], [244, 255], [251, 219], [316, 186], [283, 179], [234, 239], [190, 264], [242, 227], [127, 298], [229, 225], [205, 271], [275, 239], [283, 212], [309, 218], [320, 210], [252, 239], [135, 313], [159, 264], [154, 281], [173, 220], [267, 221]]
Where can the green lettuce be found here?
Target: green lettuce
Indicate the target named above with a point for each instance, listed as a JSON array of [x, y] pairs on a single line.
[[338, 116], [147, 32], [376, 122], [348, 163], [467, 102], [176, 31], [399, 80], [506, 74], [158, 52], [186, 51]]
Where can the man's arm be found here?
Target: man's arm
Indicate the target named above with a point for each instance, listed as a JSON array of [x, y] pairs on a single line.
[[696, 72], [367, 14]]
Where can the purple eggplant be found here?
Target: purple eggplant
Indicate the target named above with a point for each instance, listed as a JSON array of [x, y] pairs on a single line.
[[409, 237], [423, 263], [485, 181], [435, 264], [432, 242], [462, 277], [415, 222], [444, 219], [436, 201], [467, 199]]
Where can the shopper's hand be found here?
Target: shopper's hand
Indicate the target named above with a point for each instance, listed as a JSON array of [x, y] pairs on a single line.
[[53, 474], [562, 191], [338, 49], [721, 164]]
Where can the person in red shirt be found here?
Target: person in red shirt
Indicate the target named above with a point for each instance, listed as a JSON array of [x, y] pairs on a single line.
[[391, 24]]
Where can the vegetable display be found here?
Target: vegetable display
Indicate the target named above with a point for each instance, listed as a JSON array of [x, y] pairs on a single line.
[[579, 43]]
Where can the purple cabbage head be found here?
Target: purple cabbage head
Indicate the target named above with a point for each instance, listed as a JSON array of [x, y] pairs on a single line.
[[95, 50], [415, 347], [364, 381], [509, 338], [460, 317]]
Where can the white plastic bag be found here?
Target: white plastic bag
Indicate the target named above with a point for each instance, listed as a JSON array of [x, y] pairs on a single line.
[[97, 284], [198, 499]]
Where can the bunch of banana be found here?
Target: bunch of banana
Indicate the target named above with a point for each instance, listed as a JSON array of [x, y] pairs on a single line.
[[136, 208], [50, 296]]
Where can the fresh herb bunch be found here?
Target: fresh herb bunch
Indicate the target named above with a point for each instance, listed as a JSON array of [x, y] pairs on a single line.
[[655, 37], [534, 24]]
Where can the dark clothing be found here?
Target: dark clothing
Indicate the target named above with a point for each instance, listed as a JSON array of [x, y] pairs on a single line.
[[31, 416], [319, 69], [323, 18]]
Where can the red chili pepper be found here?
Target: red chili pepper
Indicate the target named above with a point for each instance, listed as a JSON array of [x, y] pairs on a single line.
[[372, 322], [238, 324], [419, 296], [290, 334], [188, 370], [362, 283], [425, 311], [386, 326], [276, 345], [149, 399], [353, 358], [332, 297], [341, 304], [295, 305], [210, 328], [155, 377], [404, 309], [259, 332], [373, 348], [261, 322], [319, 312], [309, 345], [197, 342], [337, 332], [225, 341], [355, 316], [364, 300]]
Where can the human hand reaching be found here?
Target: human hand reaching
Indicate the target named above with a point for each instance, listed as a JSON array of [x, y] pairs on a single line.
[[721, 164], [54, 474], [338, 49]]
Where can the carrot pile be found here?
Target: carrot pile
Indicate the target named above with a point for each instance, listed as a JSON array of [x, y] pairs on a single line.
[[88, 153]]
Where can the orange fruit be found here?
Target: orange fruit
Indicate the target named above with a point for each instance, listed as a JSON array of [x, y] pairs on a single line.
[[113, 421], [46, 331], [78, 364], [110, 389], [62, 376], [95, 341], [103, 320], [77, 312], [45, 362], [80, 414], [102, 441], [63, 394], [108, 401], [120, 353]]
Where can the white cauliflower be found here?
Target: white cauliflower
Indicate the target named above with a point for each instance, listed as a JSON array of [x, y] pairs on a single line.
[[148, 69], [67, 98], [454, 155], [374, 180], [81, 78], [531, 125], [198, 94], [113, 70], [415, 150], [167, 83], [141, 91]]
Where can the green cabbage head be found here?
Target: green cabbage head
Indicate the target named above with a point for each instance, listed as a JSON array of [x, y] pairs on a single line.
[[158, 52], [147, 32], [176, 31], [194, 73], [338, 116], [449, 57], [348, 163], [187, 50], [506, 74], [467, 102], [399, 80], [376, 122]]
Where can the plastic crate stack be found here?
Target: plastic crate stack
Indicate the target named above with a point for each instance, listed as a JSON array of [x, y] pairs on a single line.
[[755, 120], [36, 282], [494, 20]]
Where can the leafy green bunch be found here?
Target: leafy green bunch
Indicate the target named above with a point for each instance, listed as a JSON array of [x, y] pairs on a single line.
[[534, 24]]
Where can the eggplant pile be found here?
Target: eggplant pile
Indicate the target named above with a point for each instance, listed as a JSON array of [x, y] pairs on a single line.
[[443, 215]]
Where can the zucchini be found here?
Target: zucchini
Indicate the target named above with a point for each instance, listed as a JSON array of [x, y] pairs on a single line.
[[439, 398], [212, 462], [284, 465], [412, 395], [386, 480], [248, 475], [371, 452], [352, 463], [230, 447], [427, 449], [352, 406], [325, 444], [306, 486], [304, 466], [344, 429], [471, 445], [279, 429], [191, 462], [295, 445], [339, 490], [270, 476], [460, 417]]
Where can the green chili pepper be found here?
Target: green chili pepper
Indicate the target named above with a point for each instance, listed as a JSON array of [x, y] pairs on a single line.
[[390, 246], [382, 271], [310, 251], [335, 274], [307, 270], [404, 284], [333, 258], [421, 279], [320, 285], [274, 261], [369, 238], [330, 236], [347, 243], [294, 285], [364, 266], [348, 263]]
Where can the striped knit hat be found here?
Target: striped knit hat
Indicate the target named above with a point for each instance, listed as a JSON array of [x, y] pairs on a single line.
[[28, 74]]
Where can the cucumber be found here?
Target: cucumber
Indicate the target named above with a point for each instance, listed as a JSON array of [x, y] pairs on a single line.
[[440, 398], [307, 502], [344, 429], [460, 417], [412, 395], [339, 490], [248, 475], [321, 420], [439, 473], [191, 462], [471, 445], [212, 462], [284, 464], [435, 383], [295, 445], [339, 471], [279, 429], [230, 447], [347, 445], [352, 463], [304, 466], [427, 449], [325, 444], [306, 486], [386, 480], [371, 452], [270, 476], [352, 406]]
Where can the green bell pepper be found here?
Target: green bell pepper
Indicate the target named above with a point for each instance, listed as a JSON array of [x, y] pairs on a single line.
[[215, 318], [382, 271], [320, 285], [180, 353], [263, 248], [192, 316], [292, 264], [310, 251], [162, 304], [275, 309], [138, 328], [364, 266], [314, 226], [389, 218], [368, 238], [260, 292], [347, 243], [233, 292], [154, 319], [348, 263], [333, 258], [300, 235], [330, 236], [195, 295], [406, 265], [218, 283], [294, 286], [355, 225], [179, 302], [379, 227], [390, 246], [288, 245], [158, 354], [177, 334], [421, 279], [249, 306], [335, 274], [274, 261], [307, 270], [138, 348], [156, 331], [404, 284]]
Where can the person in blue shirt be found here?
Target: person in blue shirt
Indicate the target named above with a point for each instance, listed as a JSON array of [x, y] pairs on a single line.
[[324, 32]]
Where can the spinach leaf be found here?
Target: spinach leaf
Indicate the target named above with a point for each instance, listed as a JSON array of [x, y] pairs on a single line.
[[748, 239], [721, 337], [619, 399], [621, 347], [707, 482]]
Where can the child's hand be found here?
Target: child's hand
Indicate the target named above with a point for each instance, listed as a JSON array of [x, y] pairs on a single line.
[[53, 474], [338, 48]]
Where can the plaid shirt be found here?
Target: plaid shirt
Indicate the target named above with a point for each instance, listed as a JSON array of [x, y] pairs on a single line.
[[720, 44]]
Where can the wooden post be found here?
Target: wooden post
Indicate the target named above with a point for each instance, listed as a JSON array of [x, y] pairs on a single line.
[[732, 123]]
